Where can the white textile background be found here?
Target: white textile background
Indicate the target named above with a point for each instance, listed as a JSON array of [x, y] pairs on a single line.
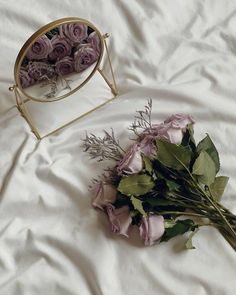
[[180, 53]]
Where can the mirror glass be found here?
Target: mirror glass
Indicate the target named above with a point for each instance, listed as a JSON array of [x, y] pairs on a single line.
[[59, 60]]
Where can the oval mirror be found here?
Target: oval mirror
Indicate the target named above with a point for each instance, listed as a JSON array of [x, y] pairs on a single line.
[[58, 59]]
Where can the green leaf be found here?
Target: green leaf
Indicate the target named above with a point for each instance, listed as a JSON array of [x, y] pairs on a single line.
[[189, 243], [179, 228], [136, 185], [138, 205], [172, 185], [218, 186], [173, 155], [168, 223], [147, 164], [188, 138], [204, 168], [208, 146]]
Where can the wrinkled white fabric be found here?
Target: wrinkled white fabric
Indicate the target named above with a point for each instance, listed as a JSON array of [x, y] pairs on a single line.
[[180, 53]]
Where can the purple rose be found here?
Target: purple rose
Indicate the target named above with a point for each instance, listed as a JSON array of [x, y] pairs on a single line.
[[147, 146], [75, 33], [40, 48], [104, 195], [25, 79], [84, 57], [180, 121], [61, 48], [40, 70], [65, 66], [132, 161], [94, 40], [172, 130], [120, 219], [151, 229]]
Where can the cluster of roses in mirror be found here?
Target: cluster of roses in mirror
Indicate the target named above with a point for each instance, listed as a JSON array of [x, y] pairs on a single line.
[[64, 50]]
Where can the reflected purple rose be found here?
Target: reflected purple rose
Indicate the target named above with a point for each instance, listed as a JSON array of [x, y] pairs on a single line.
[[64, 66], [61, 48], [40, 70], [74, 32], [94, 40], [84, 57], [61, 51], [152, 229], [25, 79], [40, 48], [120, 219]]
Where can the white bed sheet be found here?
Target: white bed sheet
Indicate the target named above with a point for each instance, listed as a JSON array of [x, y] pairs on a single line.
[[180, 53]]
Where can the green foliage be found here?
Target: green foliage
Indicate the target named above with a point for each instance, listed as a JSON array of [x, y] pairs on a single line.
[[208, 146], [179, 228], [147, 164], [189, 243], [137, 204], [172, 185], [136, 185], [204, 168], [172, 155], [218, 186], [188, 138]]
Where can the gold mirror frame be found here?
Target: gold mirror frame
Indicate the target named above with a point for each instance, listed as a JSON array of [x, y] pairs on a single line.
[[22, 98]]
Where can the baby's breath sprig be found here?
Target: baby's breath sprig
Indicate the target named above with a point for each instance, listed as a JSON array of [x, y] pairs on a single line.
[[142, 120], [103, 148]]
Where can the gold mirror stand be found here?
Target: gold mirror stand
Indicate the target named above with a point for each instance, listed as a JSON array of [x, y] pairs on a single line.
[[20, 103]]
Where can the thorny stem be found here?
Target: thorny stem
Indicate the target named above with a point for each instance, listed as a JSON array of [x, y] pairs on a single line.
[[181, 213]]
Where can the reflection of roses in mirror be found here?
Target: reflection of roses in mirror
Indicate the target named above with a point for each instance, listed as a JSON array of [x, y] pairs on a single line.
[[64, 66], [40, 70], [25, 79], [75, 32], [61, 48], [94, 40], [84, 57], [40, 48]]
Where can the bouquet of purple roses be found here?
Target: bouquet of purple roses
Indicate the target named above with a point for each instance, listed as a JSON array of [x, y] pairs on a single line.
[[165, 183]]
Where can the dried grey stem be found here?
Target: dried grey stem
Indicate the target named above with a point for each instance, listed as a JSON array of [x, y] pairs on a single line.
[[142, 120], [109, 177], [54, 83], [103, 148]]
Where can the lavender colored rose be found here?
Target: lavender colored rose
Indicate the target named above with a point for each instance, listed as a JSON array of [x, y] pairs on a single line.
[[75, 33], [147, 146], [151, 229], [172, 129], [61, 48], [104, 195], [120, 219], [25, 79], [40, 49], [64, 66], [84, 57], [40, 70], [94, 40], [180, 121], [132, 161]]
